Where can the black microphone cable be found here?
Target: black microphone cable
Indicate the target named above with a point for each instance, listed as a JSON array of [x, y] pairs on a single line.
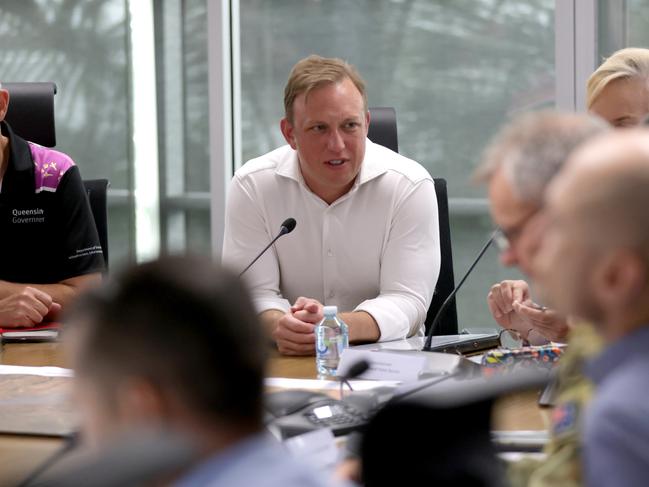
[[70, 443]]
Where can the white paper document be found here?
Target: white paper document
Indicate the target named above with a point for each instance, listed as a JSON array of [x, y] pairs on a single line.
[[42, 371], [384, 365]]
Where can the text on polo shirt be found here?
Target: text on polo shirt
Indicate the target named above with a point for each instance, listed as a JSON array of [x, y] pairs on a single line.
[[32, 215]]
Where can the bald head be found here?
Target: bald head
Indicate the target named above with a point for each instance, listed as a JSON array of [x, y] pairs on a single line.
[[605, 186], [593, 259]]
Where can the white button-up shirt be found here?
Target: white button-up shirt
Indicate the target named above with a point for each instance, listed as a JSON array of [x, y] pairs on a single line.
[[375, 249]]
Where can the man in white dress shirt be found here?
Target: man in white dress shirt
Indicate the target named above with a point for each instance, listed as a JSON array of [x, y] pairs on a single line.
[[367, 235]]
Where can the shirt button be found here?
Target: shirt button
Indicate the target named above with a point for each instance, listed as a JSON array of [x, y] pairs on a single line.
[[330, 253]]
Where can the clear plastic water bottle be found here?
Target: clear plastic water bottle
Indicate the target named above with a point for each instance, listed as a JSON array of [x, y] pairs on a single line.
[[331, 338]]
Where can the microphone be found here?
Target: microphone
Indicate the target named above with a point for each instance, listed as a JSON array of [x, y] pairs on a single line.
[[354, 371], [451, 296], [288, 226]]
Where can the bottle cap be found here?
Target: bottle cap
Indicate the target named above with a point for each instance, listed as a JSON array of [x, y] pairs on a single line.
[[330, 310]]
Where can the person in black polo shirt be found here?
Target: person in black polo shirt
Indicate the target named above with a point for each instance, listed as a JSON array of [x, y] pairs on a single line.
[[49, 240]]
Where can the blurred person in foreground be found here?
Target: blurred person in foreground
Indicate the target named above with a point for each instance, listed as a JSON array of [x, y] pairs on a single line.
[[618, 92], [50, 249], [367, 235], [593, 262], [517, 167], [175, 345]]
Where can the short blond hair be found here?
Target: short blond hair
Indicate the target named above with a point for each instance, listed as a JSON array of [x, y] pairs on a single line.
[[631, 62], [314, 71]]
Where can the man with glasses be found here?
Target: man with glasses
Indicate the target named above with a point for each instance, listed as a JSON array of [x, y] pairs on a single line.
[[517, 167], [593, 262]]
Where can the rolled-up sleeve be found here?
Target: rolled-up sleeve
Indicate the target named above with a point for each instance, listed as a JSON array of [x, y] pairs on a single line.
[[247, 232], [409, 265]]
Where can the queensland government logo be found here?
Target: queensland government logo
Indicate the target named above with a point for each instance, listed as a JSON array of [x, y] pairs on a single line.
[[29, 215]]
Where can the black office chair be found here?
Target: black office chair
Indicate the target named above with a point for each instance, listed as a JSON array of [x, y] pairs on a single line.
[[446, 280], [383, 130], [441, 434], [97, 191], [383, 127], [415, 444], [31, 115], [31, 111]]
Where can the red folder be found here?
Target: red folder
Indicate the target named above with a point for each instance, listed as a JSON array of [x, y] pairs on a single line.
[[32, 333]]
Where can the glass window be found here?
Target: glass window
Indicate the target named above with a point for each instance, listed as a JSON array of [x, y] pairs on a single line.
[[454, 71], [638, 23], [183, 124], [622, 23], [83, 48]]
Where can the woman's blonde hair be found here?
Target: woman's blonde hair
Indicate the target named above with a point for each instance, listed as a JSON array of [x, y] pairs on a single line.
[[626, 63]]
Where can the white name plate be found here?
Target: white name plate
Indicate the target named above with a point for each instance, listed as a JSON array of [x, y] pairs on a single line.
[[383, 365]]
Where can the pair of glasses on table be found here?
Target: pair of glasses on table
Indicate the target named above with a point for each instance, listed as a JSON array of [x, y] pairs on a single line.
[[519, 350], [509, 338]]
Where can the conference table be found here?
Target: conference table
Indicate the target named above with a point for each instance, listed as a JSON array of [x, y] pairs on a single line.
[[20, 454]]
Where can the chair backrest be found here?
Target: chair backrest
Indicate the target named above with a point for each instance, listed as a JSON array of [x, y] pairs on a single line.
[[97, 190], [446, 280], [31, 111], [454, 417], [458, 448], [383, 127], [383, 130]]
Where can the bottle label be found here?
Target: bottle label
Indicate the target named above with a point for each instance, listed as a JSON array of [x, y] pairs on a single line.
[[322, 343]]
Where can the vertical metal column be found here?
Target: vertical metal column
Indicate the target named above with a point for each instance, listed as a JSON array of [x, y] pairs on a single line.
[[576, 31], [145, 130], [220, 76]]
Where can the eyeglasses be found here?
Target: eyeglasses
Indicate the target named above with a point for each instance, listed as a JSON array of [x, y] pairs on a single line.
[[512, 339], [516, 351], [505, 238], [500, 239]]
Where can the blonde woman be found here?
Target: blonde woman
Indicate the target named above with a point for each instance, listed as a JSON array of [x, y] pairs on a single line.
[[618, 91]]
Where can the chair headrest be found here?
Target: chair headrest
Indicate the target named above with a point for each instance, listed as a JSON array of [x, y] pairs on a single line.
[[383, 127], [31, 111]]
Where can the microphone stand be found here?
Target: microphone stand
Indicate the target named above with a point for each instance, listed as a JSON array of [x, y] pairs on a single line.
[[451, 296], [287, 227]]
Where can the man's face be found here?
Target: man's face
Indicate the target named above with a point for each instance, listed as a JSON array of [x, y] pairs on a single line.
[[328, 132], [623, 102], [515, 219], [564, 265]]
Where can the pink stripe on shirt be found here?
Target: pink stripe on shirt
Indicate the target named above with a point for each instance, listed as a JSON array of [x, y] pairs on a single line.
[[49, 167]]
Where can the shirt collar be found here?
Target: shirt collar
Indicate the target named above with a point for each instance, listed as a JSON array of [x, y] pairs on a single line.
[[624, 350], [372, 166], [209, 470]]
